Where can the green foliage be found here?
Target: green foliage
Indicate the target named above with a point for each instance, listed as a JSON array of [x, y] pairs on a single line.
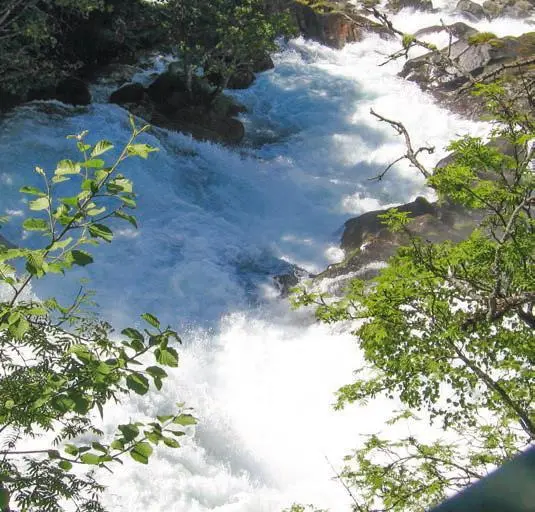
[[42, 41], [481, 38], [60, 363], [221, 36], [448, 329]]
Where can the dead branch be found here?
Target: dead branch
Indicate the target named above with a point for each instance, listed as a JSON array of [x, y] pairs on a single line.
[[411, 154]]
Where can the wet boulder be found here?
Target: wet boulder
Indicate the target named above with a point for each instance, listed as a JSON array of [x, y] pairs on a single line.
[[130, 93]]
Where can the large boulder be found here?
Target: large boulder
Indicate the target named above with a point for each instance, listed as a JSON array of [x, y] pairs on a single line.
[[471, 10], [417, 5], [478, 54], [167, 103], [70, 90], [241, 79], [368, 243], [73, 91], [358, 230], [130, 93], [508, 8]]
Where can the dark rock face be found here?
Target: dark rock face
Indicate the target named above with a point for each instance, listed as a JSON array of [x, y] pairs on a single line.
[[168, 104], [471, 10], [262, 63], [359, 229], [285, 282], [366, 241], [71, 91], [130, 93], [241, 79]]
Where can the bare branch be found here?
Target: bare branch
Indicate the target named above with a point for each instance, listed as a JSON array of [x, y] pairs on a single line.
[[411, 154]]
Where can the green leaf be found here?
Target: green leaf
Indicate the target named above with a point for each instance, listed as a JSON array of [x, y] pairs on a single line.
[[94, 163], [133, 334], [32, 191], [90, 458], [172, 443], [151, 319], [165, 418], [9, 404], [101, 147], [137, 383], [167, 357], [125, 216], [67, 167], [65, 465], [129, 431], [156, 371], [185, 420], [128, 201], [32, 224], [141, 452], [99, 447], [117, 444], [71, 449], [101, 231], [141, 150], [39, 204], [81, 258]]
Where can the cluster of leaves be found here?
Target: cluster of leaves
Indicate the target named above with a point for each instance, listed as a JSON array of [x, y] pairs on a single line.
[[448, 328], [43, 40], [222, 36], [58, 363]]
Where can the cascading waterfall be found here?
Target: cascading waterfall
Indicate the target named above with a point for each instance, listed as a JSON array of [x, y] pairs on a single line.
[[215, 224]]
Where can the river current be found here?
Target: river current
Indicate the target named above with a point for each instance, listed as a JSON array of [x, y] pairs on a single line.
[[216, 224]]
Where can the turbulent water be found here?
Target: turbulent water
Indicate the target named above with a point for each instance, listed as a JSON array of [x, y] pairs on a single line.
[[215, 225]]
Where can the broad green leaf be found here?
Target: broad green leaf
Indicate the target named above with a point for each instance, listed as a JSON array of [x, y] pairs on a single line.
[[101, 231], [39, 204], [101, 147], [185, 420], [141, 452], [137, 383], [67, 167], [133, 334], [125, 216], [32, 191], [172, 443], [32, 224], [65, 465], [141, 150], [90, 458], [71, 449], [81, 258], [94, 163], [165, 418], [151, 319], [156, 371], [167, 357], [129, 431]]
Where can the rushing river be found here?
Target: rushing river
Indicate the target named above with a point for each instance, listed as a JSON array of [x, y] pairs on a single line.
[[216, 224]]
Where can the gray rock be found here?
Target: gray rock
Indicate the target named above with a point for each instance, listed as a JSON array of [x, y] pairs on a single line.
[[471, 10]]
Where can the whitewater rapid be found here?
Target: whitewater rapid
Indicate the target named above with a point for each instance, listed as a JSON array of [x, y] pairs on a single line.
[[216, 224]]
